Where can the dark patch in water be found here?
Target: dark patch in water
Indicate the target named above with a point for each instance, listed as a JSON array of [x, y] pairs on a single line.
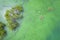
[[49, 37], [56, 31]]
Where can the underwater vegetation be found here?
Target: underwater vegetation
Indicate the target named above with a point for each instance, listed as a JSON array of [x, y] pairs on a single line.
[[2, 30], [12, 15]]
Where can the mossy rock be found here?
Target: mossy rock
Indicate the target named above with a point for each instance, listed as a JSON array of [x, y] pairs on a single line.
[[12, 15], [14, 12], [13, 26], [2, 24], [2, 30]]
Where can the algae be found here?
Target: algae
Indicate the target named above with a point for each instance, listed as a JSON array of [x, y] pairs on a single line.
[[12, 15], [2, 30]]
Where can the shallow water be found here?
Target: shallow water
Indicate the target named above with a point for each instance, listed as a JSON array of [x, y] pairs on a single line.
[[6, 5], [38, 22]]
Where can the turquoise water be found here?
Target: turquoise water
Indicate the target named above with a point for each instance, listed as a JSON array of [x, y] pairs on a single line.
[[39, 23]]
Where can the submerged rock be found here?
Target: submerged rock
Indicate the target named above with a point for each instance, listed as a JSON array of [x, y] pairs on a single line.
[[2, 30], [12, 15]]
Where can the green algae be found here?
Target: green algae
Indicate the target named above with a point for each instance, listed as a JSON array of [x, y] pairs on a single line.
[[2, 30], [12, 15]]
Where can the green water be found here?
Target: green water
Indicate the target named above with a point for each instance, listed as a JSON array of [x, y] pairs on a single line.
[[32, 27]]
